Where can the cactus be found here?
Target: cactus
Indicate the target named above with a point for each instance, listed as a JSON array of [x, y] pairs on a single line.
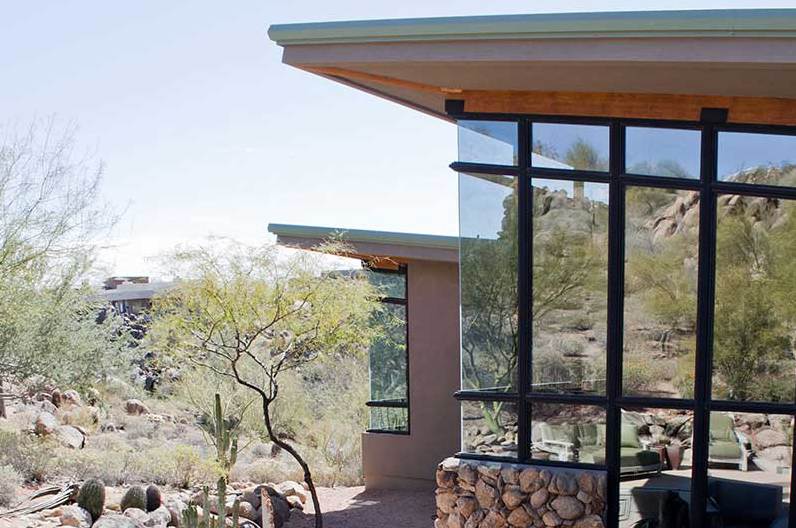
[[135, 497], [225, 440], [153, 498], [190, 517], [91, 498]]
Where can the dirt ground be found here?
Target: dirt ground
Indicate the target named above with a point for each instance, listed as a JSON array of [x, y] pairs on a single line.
[[356, 508]]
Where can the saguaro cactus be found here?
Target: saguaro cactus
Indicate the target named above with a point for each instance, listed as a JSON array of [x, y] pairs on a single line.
[[225, 440]]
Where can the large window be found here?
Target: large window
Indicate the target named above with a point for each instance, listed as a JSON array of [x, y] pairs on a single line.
[[627, 304], [389, 382]]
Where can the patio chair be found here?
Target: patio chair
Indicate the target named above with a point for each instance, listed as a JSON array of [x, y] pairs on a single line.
[[560, 441], [726, 445]]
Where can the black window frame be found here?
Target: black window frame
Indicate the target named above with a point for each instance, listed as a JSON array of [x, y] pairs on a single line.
[[613, 401], [396, 403]]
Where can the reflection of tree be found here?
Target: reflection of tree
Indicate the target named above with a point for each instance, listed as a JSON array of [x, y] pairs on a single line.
[[388, 354]]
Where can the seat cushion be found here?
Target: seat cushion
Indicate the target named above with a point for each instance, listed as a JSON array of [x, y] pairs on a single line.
[[632, 457], [722, 427], [630, 436], [727, 450]]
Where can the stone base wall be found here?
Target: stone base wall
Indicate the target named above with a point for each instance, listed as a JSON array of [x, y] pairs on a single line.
[[474, 494]]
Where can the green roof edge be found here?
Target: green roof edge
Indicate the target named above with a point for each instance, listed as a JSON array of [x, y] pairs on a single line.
[[366, 236], [616, 24]]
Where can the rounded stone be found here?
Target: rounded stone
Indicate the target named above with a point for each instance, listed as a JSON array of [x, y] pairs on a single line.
[[567, 507], [466, 506], [519, 518], [551, 519], [529, 480], [539, 498], [485, 494], [512, 496]]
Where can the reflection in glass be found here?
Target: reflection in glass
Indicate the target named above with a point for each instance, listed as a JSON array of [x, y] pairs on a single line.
[[388, 354], [661, 254], [388, 283], [489, 428], [570, 282], [569, 433], [757, 158], [488, 278], [655, 467], [663, 152], [389, 419], [493, 142], [570, 147], [749, 468], [753, 347]]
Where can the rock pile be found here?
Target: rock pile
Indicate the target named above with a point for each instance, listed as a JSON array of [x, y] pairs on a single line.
[[474, 494]]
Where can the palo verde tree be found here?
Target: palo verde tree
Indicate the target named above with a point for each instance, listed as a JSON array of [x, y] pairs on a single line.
[[51, 216], [251, 314]]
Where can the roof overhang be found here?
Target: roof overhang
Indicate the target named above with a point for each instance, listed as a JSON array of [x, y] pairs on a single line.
[[554, 63], [384, 248]]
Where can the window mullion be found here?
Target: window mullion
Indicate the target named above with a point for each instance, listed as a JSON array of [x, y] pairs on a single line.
[[524, 290]]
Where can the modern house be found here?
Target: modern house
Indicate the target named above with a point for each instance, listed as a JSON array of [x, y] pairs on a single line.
[[414, 422], [132, 295], [627, 190]]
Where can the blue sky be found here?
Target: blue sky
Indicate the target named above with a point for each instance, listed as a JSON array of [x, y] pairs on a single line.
[[205, 132]]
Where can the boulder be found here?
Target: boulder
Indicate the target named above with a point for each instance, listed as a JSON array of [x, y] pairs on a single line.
[[590, 521], [512, 496], [135, 407], [247, 511], [158, 517], [116, 521], [466, 506], [75, 516], [446, 501], [290, 488], [45, 424], [493, 519], [48, 406], [71, 397], [520, 518], [70, 436], [486, 494], [175, 507], [137, 515], [769, 438]]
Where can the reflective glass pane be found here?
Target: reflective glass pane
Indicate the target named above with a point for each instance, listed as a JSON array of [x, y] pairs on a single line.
[[570, 147], [493, 142], [388, 354], [755, 316], [757, 158], [660, 303], [655, 468], [489, 428], [389, 284], [570, 283], [663, 152], [569, 433], [389, 419], [749, 468], [488, 278]]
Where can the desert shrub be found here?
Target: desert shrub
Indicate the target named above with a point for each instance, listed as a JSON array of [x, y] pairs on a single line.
[[270, 470], [85, 417], [177, 465], [684, 377], [10, 480], [108, 459], [640, 374], [30, 456]]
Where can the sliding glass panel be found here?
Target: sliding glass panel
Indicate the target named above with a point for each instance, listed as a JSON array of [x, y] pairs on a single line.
[[492, 142], [568, 432], [768, 159], [669, 152], [489, 428], [488, 277], [660, 303], [755, 315], [749, 468], [389, 419], [570, 147], [655, 467], [570, 285]]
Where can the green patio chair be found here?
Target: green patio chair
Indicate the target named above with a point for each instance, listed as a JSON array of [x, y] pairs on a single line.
[[726, 445]]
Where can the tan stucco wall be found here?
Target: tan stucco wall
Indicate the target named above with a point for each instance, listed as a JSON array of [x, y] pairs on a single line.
[[410, 461]]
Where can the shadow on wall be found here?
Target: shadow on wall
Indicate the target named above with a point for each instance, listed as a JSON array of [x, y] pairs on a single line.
[[357, 508]]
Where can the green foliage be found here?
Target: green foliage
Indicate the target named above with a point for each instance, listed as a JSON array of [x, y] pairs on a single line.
[[29, 455], [192, 519], [582, 156], [91, 498], [134, 497]]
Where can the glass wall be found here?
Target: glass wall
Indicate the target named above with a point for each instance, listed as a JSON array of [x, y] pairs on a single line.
[[643, 323], [388, 355]]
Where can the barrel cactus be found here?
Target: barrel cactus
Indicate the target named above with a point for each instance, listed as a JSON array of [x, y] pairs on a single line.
[[135, 497], [91, 498], [153, 498]]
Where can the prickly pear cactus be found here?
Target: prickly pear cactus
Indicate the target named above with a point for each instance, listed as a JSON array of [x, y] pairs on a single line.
[[135, 497], [91, 498]]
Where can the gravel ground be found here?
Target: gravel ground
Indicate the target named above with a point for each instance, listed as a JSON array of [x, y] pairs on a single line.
[[357, 508]]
